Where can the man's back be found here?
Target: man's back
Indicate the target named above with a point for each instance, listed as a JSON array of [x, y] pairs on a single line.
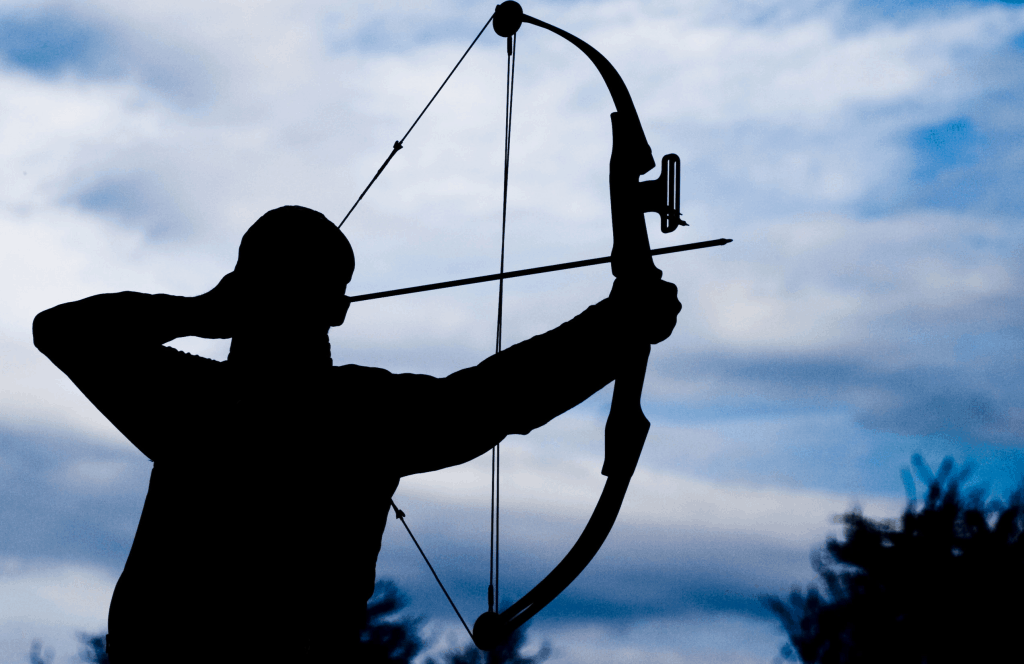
[[262, 511]]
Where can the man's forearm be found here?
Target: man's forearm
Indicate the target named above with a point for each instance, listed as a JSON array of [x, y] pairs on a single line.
[[528, 384], [116, 319]]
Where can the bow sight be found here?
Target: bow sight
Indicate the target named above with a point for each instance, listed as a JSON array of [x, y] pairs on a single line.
[[662, 195]]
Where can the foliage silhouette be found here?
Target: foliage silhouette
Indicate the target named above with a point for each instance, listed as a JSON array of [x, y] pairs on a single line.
[[389, 637], [386, 636], [933, 587], [507, 653], [37, 656], [94, 648]]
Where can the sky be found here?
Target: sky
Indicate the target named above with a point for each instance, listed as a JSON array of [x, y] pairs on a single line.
[[865, 157]]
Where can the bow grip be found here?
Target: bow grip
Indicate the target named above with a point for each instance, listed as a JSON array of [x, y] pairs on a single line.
[[627, 426]]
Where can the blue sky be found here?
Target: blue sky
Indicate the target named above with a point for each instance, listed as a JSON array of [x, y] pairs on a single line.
[[865, 157]]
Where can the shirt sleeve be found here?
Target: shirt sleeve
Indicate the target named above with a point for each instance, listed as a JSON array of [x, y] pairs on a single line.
[[429, 423], [111, 347]]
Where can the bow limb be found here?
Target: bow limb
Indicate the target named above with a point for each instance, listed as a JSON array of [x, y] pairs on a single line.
[[627, 427], [636, 152]]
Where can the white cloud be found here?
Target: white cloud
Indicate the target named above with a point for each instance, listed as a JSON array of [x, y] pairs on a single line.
[[555, 475]]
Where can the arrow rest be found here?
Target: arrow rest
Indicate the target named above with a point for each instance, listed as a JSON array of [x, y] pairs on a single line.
[[662, 195]]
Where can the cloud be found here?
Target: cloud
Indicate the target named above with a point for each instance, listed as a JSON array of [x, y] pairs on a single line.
[[48, 42], [55, 40], [66, 502], [828, 312], [681, 544], [50, 603]]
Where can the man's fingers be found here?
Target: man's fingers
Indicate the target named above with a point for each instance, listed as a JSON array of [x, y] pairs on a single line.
[[650, 309]]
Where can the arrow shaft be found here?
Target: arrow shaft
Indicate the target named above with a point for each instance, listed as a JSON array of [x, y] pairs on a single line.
[[529, 271]]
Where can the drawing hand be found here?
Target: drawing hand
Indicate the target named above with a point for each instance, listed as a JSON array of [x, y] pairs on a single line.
[[240, 301], [647, 311], [216, 313]]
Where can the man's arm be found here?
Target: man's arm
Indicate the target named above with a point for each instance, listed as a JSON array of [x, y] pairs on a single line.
[[114, 319], [111, 347], [134, 318], [449, 421]]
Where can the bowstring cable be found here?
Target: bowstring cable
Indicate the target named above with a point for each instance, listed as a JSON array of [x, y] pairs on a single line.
[[399, 514], [493, 585], [398, 144]]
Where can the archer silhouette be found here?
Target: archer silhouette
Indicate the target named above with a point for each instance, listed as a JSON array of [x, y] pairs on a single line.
[[273, 471]]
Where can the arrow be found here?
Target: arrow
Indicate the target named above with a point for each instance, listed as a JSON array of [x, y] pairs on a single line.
[[532, 270]]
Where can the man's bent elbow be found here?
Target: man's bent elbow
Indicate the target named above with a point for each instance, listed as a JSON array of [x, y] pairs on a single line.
[[46, 331]]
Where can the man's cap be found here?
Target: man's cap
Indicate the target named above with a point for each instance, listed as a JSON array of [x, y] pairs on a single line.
[[296, 242]]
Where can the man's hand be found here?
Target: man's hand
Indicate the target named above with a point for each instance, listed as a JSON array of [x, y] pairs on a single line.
[[648, 311], [216, 312], [239, 302]]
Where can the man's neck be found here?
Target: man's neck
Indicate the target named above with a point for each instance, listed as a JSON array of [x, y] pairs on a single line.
[[281, 350]]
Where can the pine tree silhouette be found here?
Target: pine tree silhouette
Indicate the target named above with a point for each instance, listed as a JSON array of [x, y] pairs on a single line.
[[386, 636], [94, 648], [37, 656], [507, 653], [941, 585]]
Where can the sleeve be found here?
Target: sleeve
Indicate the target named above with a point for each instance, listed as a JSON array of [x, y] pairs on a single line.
[[111, 347], [432, 423]]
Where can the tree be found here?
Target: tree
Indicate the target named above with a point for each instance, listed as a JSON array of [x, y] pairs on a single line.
[[94, 648], [390, 637], [387, 637], [941, 585], [507, 653], [37, 656]]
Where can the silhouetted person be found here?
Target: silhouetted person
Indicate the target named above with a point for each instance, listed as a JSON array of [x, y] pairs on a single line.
[[273, 471]]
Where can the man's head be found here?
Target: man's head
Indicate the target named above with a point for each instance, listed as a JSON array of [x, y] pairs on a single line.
[[293, 266]]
